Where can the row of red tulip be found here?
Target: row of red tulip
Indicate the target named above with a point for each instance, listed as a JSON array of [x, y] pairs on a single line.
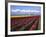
[[24, 23]]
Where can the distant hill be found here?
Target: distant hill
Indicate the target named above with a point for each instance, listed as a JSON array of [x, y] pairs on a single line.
[[24, 13]]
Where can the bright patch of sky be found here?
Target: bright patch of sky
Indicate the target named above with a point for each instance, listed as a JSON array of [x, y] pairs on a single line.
[[25, 10]]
